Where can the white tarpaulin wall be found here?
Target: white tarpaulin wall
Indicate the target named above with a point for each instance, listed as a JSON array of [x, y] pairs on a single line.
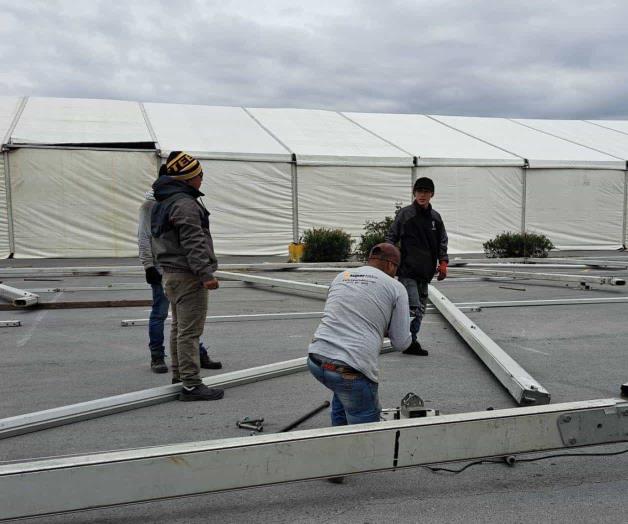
[[576, 207], [344, 197], [250, 205], [476, 203], [78, 203]]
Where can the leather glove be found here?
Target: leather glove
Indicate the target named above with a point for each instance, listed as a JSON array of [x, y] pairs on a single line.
[[153, 276], [442, 270]]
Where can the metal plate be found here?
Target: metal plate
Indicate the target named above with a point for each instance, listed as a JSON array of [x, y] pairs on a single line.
[[593, 427]]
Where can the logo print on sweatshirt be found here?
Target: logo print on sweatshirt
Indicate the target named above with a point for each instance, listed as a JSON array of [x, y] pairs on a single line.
[[433, 225], [346, 275]]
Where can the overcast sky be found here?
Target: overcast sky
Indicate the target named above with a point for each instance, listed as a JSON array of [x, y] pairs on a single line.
[[548, 59]]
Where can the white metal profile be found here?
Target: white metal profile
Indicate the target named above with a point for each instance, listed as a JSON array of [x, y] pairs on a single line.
[[18, 297], [64, 484]]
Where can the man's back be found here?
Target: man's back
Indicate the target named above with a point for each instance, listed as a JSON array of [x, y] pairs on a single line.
[[361, 306]]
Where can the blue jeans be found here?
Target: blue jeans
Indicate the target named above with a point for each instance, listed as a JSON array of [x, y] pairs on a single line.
[[156, 321], [355, 399], [417, 297]]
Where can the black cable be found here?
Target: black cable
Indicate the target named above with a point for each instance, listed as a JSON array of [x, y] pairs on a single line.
[[544, 457]]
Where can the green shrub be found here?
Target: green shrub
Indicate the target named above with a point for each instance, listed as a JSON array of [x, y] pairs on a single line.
[[514, 245], [326, 245], [374, 233]]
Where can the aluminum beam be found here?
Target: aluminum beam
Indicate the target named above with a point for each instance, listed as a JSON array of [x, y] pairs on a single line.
[[523, 388], [121, 286], [66, 484], [581, 279], [593, 263], [318, 289], [10, 323], [18, 297], [546, 302]]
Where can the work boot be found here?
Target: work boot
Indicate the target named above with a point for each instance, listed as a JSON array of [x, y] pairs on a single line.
[[200, 392], [208, 363], [415, 349], [157, 365], [336, 480], [624, 390], [176, 380]]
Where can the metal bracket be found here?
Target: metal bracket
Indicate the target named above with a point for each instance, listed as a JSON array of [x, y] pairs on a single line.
[[596, 426]]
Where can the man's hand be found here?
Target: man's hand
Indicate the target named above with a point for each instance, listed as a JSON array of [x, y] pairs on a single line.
[[442, 270], [153, 276], [211, 284]]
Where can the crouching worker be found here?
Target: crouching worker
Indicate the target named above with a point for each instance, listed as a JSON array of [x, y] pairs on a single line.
[[184, 249], [361, 306]]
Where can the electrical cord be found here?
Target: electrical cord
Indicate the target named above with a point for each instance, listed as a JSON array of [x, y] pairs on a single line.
[[510, 460]]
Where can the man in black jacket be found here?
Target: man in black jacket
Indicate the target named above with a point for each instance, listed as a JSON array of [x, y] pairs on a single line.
[[423, 242]]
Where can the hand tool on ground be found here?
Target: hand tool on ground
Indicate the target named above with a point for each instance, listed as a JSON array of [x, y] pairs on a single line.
[[256, 424]]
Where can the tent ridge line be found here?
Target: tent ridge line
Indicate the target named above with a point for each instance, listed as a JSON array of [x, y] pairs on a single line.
[[564, 139], [149, 127], [476, 138], [16, 118], [375, 134], [273, 135]]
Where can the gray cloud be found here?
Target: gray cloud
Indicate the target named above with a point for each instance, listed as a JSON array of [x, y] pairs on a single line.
[[559, 59]]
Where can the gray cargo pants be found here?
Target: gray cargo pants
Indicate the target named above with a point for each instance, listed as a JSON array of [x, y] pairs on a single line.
[[188, 302], [417, 296]]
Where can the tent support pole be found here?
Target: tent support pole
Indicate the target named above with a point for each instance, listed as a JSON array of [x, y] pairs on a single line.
[[524, 184], [624, 220], [7, 185], [295, 199]]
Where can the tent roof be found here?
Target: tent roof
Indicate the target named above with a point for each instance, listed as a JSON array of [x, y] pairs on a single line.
[[80, 121], [212, 132], [433, 142], [540, 149], [8, 109], [320, 137], [617, 125], [584, 133]]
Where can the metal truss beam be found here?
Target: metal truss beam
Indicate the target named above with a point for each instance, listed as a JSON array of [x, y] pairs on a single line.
[[524, 275], [18, 297], [66, 484], [523, 388]]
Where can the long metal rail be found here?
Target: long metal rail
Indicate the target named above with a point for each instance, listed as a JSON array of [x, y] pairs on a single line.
[[588, 262], [519, 383], [67, 484], [528, 275], [18, 297]]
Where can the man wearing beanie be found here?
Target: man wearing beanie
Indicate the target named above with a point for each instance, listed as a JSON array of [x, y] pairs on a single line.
[[159, 310], [183, 247], [423, 240]]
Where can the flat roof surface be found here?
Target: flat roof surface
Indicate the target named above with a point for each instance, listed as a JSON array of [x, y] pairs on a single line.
[[577, 352]]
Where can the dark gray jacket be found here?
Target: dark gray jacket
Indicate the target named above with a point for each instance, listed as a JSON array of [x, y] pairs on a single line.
[[423, 241], [181, 240]]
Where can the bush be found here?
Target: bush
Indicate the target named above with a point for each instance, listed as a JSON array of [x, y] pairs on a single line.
[[326, 245], [374, 233], [514, 245]]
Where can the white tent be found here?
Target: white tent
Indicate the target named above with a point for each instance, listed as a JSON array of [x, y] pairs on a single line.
[[345, 175], [572, 193], [478, 186], [79, 169], [248, 174], [9, 106]]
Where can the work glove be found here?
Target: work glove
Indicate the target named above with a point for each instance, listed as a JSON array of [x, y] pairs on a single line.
[[442, 270], [153, 276]]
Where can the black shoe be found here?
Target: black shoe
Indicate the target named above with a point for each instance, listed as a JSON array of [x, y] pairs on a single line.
[[416, 349], [200, 392], [624, 390], [176, 380], [336, 480], [157, 365], [208, 363]]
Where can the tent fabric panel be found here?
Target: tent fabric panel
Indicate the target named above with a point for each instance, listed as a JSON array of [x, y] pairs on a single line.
[[315, 133], [209, 129], [533, 145], [80, 121], [476, 203], [576, 208], [425, 138], [616, 125], [345, 198], [77, 203], [8, 109], [250, 205], [606, 140], [4, 218]]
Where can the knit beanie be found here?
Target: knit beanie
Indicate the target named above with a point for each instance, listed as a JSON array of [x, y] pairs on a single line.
[[182, 166]]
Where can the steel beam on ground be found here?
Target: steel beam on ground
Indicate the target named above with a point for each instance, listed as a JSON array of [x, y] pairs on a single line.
[[527, 262], [65, 484], [267, 316], [120, 287], [317, 289], [546, 302], [18, 297], [523, 265], [523, 388], [10, 323], [524, 275], [36, 421]]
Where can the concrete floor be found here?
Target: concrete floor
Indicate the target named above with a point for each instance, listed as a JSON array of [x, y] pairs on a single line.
[[61, 357]]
